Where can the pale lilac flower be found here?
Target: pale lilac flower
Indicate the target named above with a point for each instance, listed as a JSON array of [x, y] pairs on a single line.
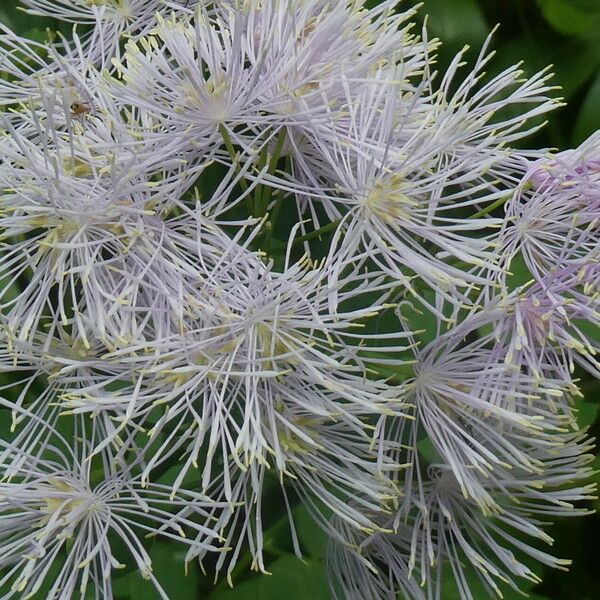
[[553, 217], [549, 327], [270, 374], [159, 310], [73, 367], [326, 463], [449, 528], [35, 70], [55, 510], [409, 172], [48, 378], [267, 341], [470, 123], [254, 69], [22, 60], [476, 408], [372, 566], [196, 75], [391, 199], [80, 205], [570, 167], [444, 530], [109, 21], [331, 53]]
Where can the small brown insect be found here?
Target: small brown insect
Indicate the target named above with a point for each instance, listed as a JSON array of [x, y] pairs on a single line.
[[80, 109]]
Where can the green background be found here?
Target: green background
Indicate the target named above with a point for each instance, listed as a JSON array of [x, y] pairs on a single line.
[[564, 33]]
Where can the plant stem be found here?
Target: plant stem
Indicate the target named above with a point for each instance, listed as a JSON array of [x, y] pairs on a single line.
[[265, 192], [232, 154], [313, 234], [488, 209]]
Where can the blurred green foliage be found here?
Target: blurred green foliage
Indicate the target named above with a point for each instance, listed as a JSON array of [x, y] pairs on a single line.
[[561, 33], [564, 33]]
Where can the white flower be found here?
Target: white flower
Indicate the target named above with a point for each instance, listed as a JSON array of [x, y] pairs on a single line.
[[391, 197], [111, 21], [22, 61], [476, 408], [444, 530], [78, 207], [58, 510], [159, 311], [450, 529], [257, 67], [372, 566], [270, 376], [197, 75], [553, 218], [411, 173]]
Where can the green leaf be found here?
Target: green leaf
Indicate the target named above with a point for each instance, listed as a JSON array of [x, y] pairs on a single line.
[[450, 592], [588, 120], [168, 567], [306, 579], [247, 590], [457, 23], [289, 578], [587, 413], [427, 450], [312, 537], [571, 17], [574, 61], [519, 273], [19, 20]]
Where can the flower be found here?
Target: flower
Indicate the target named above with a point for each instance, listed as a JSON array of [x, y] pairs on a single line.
[[111, 20], [448, 528], [212, 215], [390, 199], [548, 327], [269, 375], [372, 566], [444, 529], [248, 71], [411, 174], [552, 219], [57, 510], [78, 207], [475, 409]]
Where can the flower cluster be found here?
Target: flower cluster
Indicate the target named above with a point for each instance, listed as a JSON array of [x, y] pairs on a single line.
[[256, 248]]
